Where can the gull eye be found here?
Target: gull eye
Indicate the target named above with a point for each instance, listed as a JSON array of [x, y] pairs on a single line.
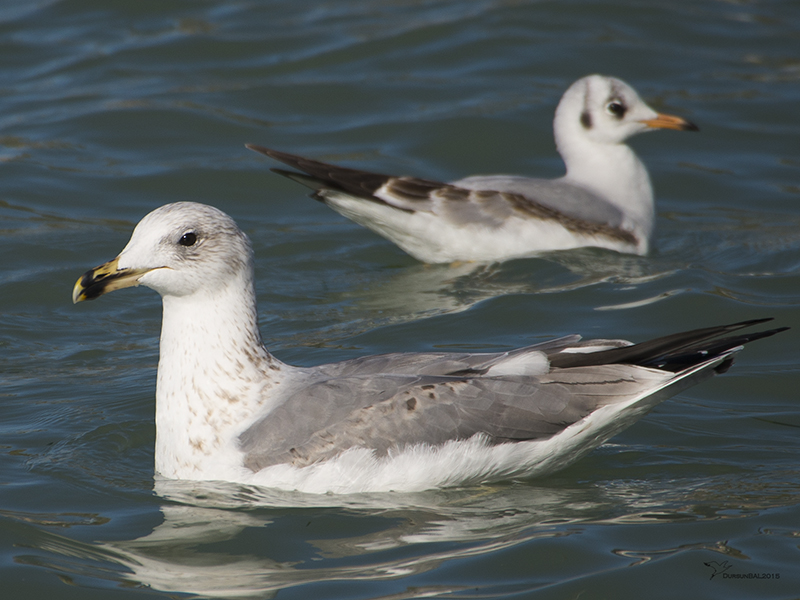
[[616, 108], [188, 239]]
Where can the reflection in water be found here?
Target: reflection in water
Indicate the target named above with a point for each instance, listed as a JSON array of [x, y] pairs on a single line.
[[419, 291], [232, 541], [226, 540], [223, 540], [416, 291], [428, 290]]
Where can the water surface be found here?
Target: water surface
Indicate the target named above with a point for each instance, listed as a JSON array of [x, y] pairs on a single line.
[[110, 109]]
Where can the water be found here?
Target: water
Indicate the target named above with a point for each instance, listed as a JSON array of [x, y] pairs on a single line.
[[110, 109]]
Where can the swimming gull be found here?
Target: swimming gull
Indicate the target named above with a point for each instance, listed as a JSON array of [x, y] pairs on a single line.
[[226, 409], [605, 199]]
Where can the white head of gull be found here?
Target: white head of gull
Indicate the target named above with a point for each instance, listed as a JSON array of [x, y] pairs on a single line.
[[605, 198], [226, 409]]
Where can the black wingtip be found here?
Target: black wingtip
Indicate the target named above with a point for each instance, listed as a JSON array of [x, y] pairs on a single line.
[[272, 153], [362, 184], [673, 352]]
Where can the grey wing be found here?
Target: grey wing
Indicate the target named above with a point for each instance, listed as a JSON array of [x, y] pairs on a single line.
[[569, 199], [443, 363], [572, 207], [385, 413], [309, 411]]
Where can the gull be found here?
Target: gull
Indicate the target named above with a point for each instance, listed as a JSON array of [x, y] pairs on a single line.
[[605, 198], [227, 409]]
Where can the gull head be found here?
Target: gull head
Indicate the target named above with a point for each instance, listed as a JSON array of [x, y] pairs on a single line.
[[607, 110], [179, 249]]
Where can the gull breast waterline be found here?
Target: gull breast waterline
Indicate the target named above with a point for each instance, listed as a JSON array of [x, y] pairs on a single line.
[[605, 199], [226, 409]]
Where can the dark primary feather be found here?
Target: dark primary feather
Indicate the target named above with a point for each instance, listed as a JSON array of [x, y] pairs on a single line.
[[353, 181], [672, 352]]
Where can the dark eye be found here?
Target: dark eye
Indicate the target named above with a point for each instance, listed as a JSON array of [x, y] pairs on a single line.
[[616, 108], [188, 239]]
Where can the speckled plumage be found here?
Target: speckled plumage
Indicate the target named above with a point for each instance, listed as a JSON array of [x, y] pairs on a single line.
[[227, 409]]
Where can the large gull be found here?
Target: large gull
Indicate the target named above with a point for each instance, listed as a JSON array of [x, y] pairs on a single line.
[[605, 198], [226, 409]]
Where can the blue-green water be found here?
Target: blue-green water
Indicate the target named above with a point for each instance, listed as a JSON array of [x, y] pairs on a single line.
[[111, 108]]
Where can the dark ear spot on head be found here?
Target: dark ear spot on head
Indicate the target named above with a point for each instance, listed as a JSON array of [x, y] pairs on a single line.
[[586, 120]]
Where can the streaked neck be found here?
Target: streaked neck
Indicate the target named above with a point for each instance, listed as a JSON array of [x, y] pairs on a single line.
[[214, 375]]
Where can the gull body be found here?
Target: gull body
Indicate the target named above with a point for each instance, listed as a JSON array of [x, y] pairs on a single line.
[[226, 409], [605, 199]]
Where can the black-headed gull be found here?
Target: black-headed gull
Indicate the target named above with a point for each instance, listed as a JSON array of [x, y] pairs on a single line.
[[605, 198]]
